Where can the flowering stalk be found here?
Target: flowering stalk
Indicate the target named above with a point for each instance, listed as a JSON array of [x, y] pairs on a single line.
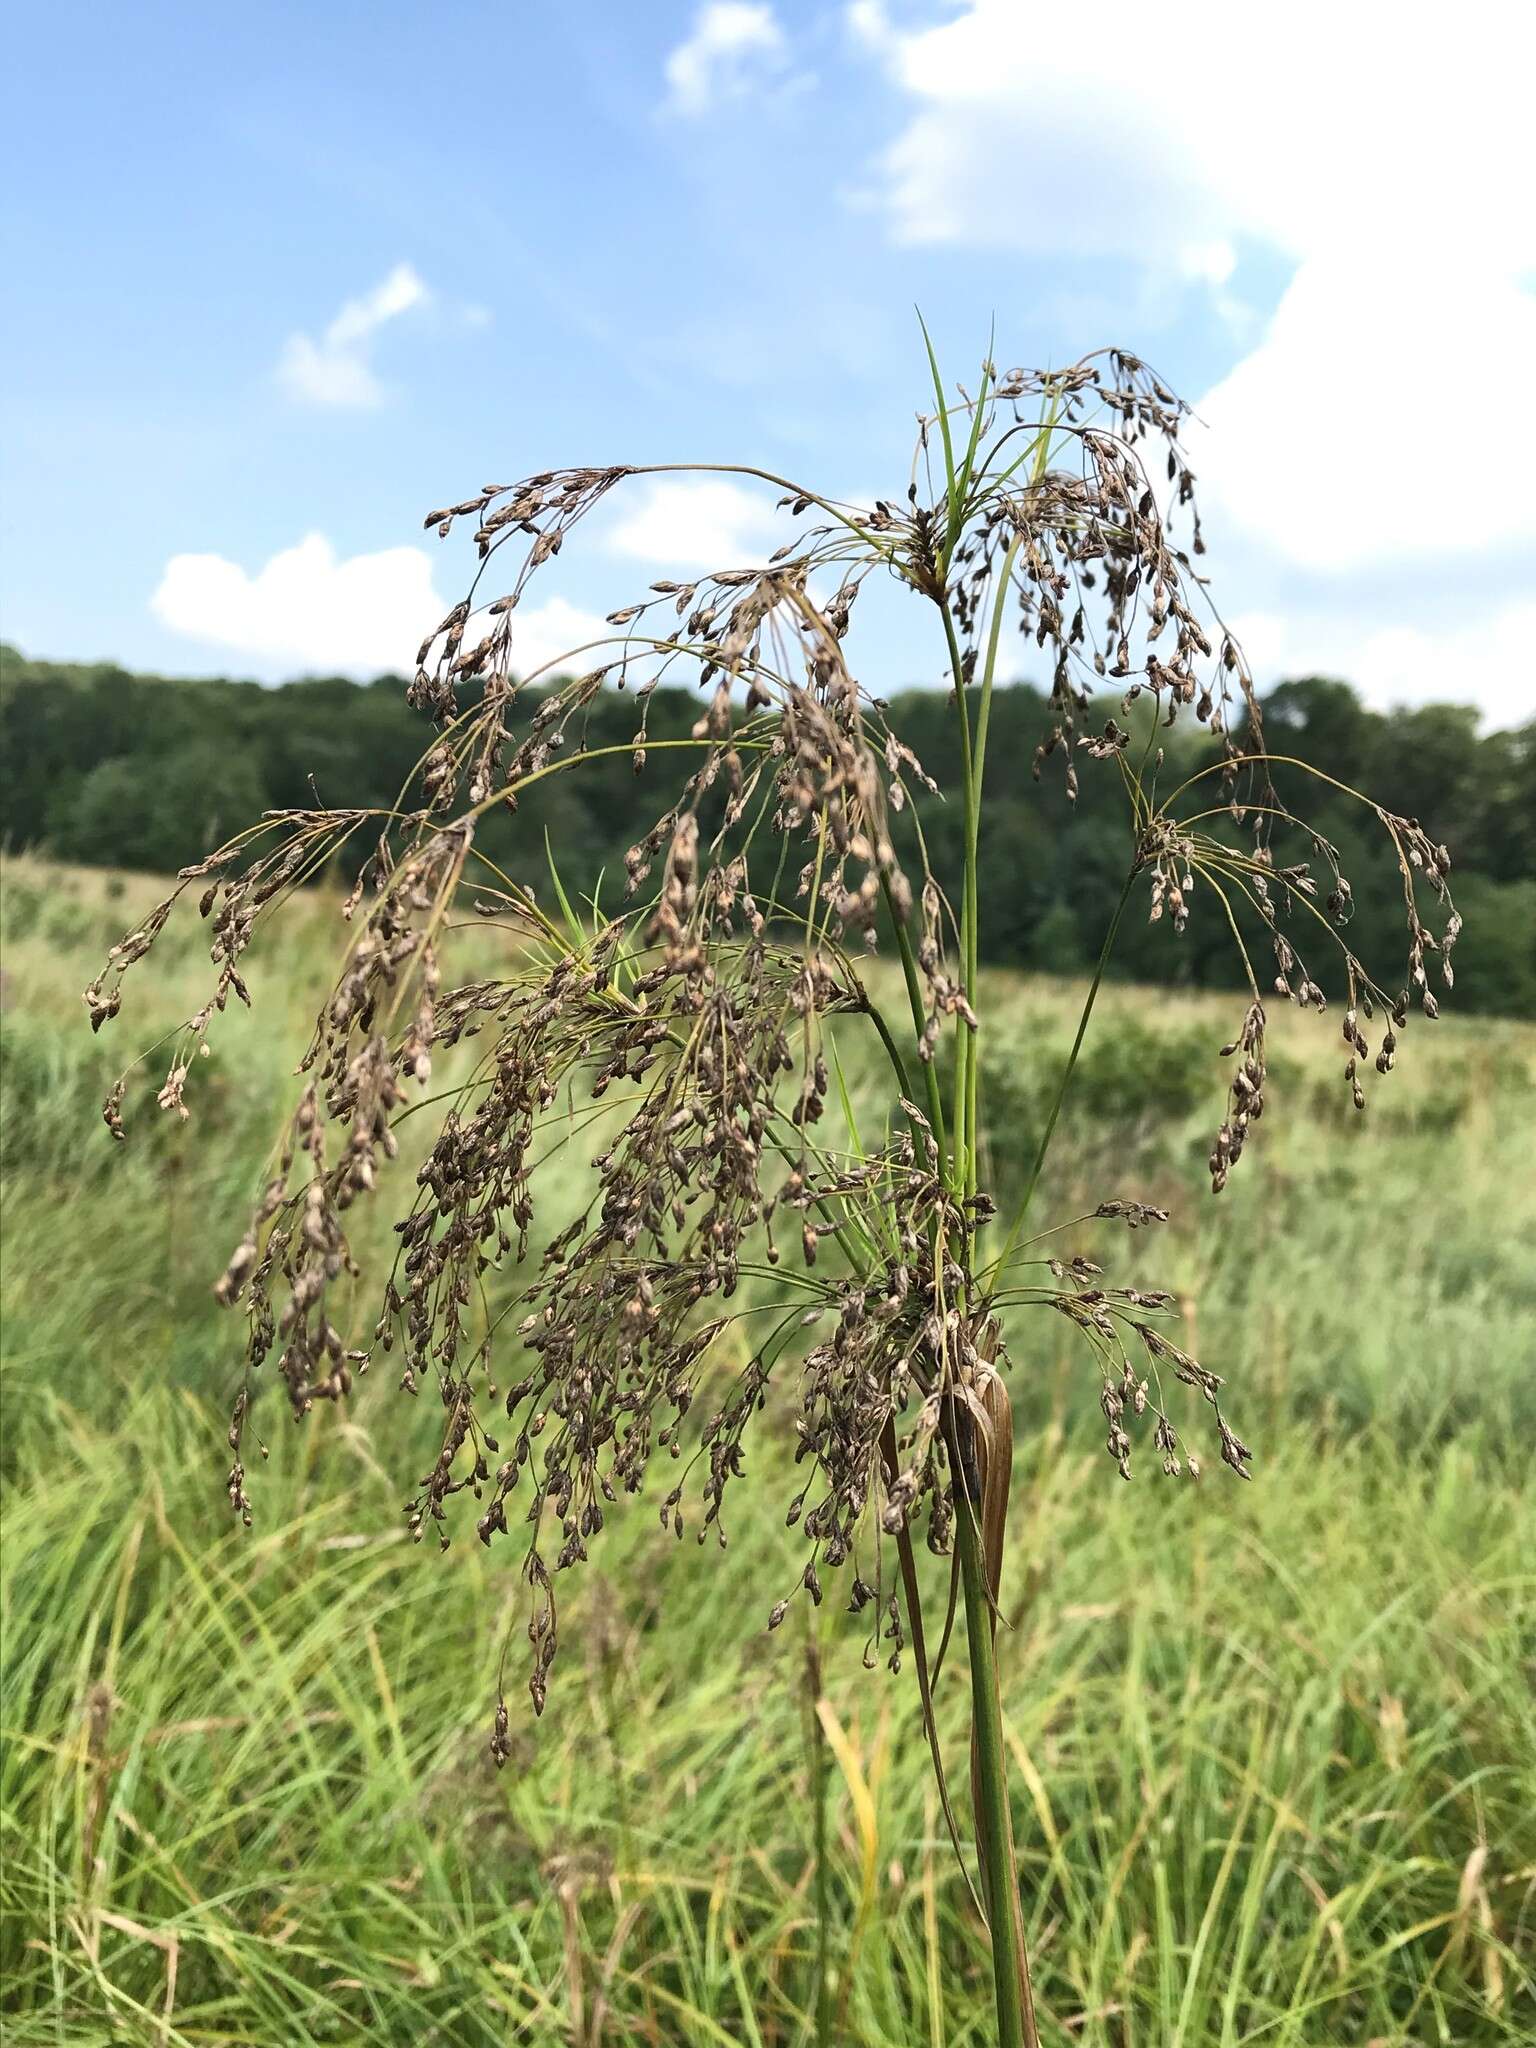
[[727, 1246], [1010, 1960]]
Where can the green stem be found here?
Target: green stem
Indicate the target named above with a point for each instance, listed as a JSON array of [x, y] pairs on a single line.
[[823, 1900], [1015, 2021], [993, 1824], [1010, 1243], [973, 858], [892, 1051], [965, 1045], [919, 1017], [989, 672]]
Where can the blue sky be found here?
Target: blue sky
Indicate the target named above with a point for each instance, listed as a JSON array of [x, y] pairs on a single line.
[[285, 278]]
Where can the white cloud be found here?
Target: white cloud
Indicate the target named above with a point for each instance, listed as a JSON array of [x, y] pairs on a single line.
[[1027, 139], [1348, 121], [543, 635], [730, 40], [1367, 426], [306, 606], [1490, 661], [309, 609], [704, 523], [1377, 421], [337, 369]]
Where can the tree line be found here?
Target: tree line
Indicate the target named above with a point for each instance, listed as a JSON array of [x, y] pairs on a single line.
[[114, 769]]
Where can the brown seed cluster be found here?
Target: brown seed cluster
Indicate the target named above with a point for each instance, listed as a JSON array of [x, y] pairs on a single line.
[[1280, 901], [728, 1249]]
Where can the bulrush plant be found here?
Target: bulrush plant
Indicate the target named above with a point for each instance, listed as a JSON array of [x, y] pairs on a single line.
[[863, 1275]]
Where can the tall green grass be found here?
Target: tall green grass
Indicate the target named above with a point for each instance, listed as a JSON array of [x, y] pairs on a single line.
[[1275, 1746]]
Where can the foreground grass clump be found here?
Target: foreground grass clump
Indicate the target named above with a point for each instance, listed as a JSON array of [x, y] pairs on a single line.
[[1273, 1750]]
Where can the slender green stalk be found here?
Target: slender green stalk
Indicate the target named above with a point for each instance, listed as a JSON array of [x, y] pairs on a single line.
[[989, 672], [914, 982], [951, 481], [819, 1818], [1010, 1964], [965, 1048], [892, 1051], [973, 861], [992, 1818], [1010, 1243]]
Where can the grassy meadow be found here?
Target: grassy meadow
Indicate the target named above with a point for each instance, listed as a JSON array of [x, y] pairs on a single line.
[[1273, 1746]]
